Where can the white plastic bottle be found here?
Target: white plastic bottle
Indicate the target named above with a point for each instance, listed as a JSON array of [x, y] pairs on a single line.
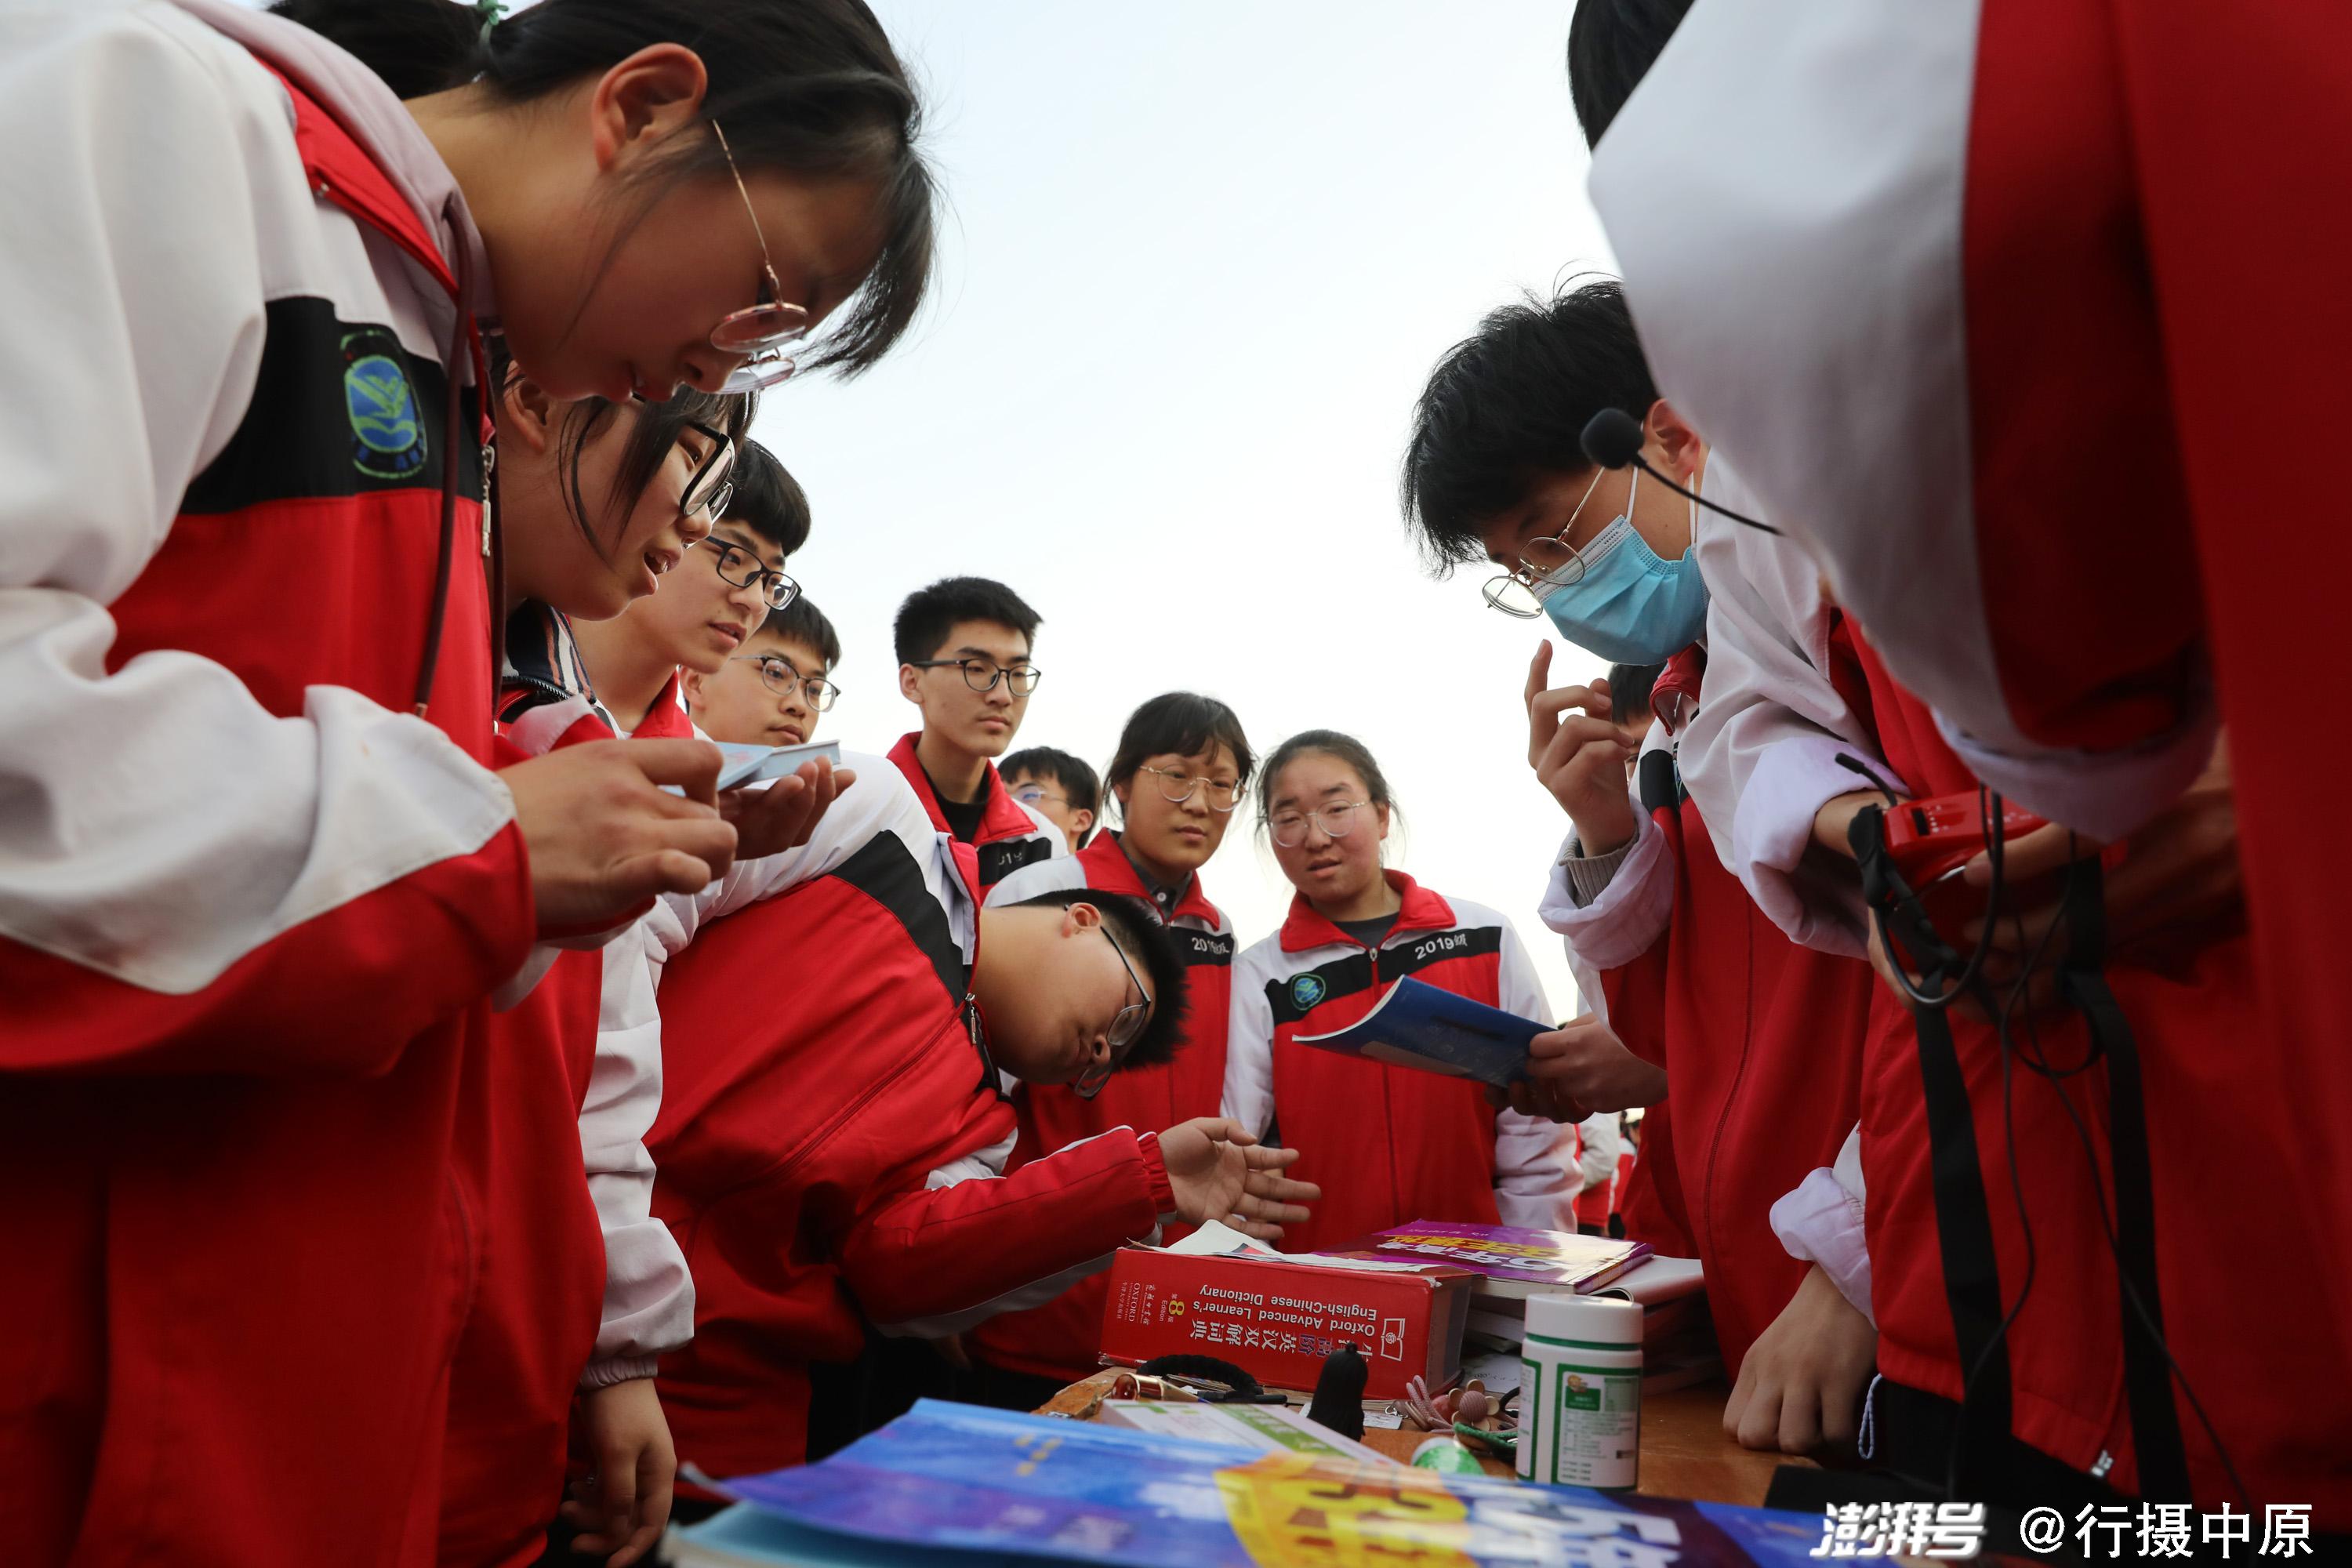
[[1580, 1393]]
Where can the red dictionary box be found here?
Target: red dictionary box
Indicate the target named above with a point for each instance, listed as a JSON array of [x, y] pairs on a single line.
[[1278, 1318]]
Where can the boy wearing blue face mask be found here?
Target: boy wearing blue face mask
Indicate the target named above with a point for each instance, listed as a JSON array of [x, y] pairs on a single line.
[[1695, 978]]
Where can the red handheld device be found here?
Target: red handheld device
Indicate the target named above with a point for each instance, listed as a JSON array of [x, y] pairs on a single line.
[[1931, 841]]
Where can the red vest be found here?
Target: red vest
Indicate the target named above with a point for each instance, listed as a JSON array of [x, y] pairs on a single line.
[[2256, 1358], [1389, 1145]]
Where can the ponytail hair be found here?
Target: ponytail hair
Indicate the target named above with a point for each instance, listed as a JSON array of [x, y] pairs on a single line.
[[1330, 743], [808, 87]]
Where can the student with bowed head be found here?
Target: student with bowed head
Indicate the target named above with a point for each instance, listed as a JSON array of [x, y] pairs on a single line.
[[256, 837], [835, 1152], [1391, 1145], [1181, 770], [963, 648]]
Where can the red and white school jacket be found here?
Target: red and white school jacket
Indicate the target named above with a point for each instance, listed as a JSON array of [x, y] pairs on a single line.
[[1388, 1144], [579, 1285], [1063, 1337], [1010, 835], [1760, 1038], [252, 906], [832, 1131]]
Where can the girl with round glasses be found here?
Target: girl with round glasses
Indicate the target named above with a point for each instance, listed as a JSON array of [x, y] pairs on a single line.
[[1181, 770], [1391, 1145]]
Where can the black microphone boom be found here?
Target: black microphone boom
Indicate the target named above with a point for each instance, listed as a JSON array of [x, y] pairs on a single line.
[[1613, 438]]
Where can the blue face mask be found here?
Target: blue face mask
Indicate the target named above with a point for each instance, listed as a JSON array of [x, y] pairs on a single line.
[[1630, 607]]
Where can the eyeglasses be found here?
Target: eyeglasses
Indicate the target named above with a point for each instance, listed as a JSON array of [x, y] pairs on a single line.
[[738, 567], [711, 489], [780, 677], [983, 676], [1548, 562], [760, 330], [1030, 795], [1124, 1030], [1178, 786], [1337, 820]]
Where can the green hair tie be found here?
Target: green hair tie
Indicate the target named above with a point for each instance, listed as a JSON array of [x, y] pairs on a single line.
[[492, 12]]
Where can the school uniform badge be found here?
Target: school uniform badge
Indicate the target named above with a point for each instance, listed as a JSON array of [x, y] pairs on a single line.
[[1305, 990], [387, 435]]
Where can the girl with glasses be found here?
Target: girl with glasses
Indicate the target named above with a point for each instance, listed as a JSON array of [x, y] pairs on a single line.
[[1180, 769], [256, 837], [1391, 1145]]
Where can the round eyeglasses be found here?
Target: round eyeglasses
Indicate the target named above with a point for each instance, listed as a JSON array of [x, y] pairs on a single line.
[[738, 568], [1177, 786], [777, 672], [760, 330], [1549, 561], [981, 676], [1337, 820], [1124, 1031]]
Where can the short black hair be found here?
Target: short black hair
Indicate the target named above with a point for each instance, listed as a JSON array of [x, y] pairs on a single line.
[[1508, 405], [1629, 690], [1179, 724], [929, 614], [1611, 43], [768, 501], [1330, 743], [1076, 778], [803, 623], [1152, 949]]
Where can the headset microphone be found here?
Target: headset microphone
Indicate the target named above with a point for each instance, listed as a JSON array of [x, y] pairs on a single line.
[[1613, 438]]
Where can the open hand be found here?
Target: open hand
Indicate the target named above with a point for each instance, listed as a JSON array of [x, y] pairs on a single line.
[[1217, 1171], [1579, 756], [604, 836], [782, 816], [621, 1507]]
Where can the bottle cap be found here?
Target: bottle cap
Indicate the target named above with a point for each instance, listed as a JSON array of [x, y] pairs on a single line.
[[1592, 1320]]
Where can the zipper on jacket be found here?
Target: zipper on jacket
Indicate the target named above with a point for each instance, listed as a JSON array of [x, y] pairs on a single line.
[[490, 462]]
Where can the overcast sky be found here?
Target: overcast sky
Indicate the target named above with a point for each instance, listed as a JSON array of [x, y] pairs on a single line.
[[1199, 260]]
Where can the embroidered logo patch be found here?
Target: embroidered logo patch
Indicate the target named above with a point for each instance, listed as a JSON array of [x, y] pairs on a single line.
[[1305, 990], [388, 437]]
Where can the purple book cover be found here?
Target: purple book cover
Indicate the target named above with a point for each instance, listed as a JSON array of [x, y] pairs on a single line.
[[1554, 1260]]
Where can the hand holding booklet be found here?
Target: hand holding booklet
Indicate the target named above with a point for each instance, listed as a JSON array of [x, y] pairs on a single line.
[[1426, 1027]]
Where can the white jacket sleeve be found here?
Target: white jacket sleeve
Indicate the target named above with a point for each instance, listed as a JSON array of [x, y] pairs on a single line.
[[1761, 756], [1535, 1175], [161, 824], [1598, 1145], [648, 1294], [1632, 912], [1249, 1051], [1821, 1222]]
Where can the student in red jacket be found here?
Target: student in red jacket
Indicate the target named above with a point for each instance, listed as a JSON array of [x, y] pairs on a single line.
[[963, 648], [710, 604], [261, 874], [1391, 1145], [836, 1151], [1181, 769]]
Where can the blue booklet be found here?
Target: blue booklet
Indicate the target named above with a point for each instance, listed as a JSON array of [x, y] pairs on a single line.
[[1420, 1025], [954, 1485]]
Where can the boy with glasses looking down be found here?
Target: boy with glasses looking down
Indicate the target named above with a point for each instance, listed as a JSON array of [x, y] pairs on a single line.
[[726, 589], [963, 648], [830, 1152], [769, 692]]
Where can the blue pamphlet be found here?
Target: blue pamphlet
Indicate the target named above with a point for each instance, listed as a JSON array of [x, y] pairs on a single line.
[[952, 1484], [1424, 1026]]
